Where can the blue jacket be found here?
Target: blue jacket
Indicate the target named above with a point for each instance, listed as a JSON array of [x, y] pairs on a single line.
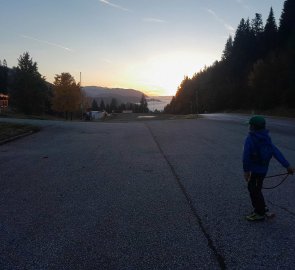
[[251, 160]]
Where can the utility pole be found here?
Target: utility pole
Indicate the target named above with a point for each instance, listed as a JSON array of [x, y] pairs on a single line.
[[197, 103], [81, 96]]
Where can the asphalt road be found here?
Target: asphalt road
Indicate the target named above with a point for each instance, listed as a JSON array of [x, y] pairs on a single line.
[[140, 195]]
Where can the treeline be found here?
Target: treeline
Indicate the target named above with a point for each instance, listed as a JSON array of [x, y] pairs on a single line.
[[256, 70], [28, 90], [114, 106], [30, 93]]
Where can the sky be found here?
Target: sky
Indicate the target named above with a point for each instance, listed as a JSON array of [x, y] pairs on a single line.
[[147, 45]]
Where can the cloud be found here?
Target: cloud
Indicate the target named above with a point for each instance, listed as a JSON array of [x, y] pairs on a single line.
[[153, 20], [225, 24], [113, 5], [48, 43]]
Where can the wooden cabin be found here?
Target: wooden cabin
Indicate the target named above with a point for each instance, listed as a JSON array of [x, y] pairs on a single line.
[[3, 102]]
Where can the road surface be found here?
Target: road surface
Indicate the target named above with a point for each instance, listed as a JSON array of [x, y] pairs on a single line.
[[140, 195]]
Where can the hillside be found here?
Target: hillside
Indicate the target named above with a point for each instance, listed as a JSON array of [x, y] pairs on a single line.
[[255, 73], [122, 95]]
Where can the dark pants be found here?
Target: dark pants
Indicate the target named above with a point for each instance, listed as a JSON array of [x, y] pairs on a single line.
[[254, 187]]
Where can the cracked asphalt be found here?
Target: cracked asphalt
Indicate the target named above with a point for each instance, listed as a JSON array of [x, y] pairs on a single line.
[[163, 194]]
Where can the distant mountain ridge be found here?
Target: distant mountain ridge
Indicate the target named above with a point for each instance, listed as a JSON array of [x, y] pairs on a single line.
[[122, 95]]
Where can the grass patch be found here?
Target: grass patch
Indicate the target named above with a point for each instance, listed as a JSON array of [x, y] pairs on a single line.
[[140, 117], [9, 130], [25, 116]]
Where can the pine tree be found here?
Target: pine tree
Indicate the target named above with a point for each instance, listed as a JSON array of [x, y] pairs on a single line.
[[257, 24], [257, 29], [265, 82], [243, 48], [3, 77], [94, 105], [287, 23], [287, 48], [108, 109], [102, 105], [113, 105], [270, 34], [143, 105], [29, 91], [227, 52]]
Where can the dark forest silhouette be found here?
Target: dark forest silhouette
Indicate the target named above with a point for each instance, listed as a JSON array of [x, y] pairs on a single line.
[[29, 93], [256, 70]]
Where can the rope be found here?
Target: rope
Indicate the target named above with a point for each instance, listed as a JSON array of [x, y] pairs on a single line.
[[276, 175]]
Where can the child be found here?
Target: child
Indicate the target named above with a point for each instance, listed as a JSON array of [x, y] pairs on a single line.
[[258, 151]]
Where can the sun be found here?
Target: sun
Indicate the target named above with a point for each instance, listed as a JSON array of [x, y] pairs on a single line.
[[163, 73]]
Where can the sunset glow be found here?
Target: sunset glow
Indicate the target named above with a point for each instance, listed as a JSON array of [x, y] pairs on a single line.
[[162, 74], [157, 75], [144, 45]]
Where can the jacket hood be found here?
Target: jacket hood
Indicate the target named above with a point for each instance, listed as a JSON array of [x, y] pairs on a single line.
[[260, 135]]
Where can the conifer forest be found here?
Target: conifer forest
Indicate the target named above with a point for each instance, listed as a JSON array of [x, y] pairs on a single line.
[[256, 71]]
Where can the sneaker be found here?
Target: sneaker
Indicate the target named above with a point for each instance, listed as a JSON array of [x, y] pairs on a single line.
[[255, 217]]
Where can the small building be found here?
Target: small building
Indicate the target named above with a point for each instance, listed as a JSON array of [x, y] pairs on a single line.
[[95, 115], [3, 102]]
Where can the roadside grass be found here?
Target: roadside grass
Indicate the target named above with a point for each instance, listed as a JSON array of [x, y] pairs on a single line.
[[25, 116], [130, 117], [9, 130]]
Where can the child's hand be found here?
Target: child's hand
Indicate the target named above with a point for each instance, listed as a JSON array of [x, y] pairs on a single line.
[[247, 176], [290, 170]]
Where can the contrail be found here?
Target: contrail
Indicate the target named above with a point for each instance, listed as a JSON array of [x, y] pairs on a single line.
[[225, 24], [113, 5], [155, 20], [47, 42]]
